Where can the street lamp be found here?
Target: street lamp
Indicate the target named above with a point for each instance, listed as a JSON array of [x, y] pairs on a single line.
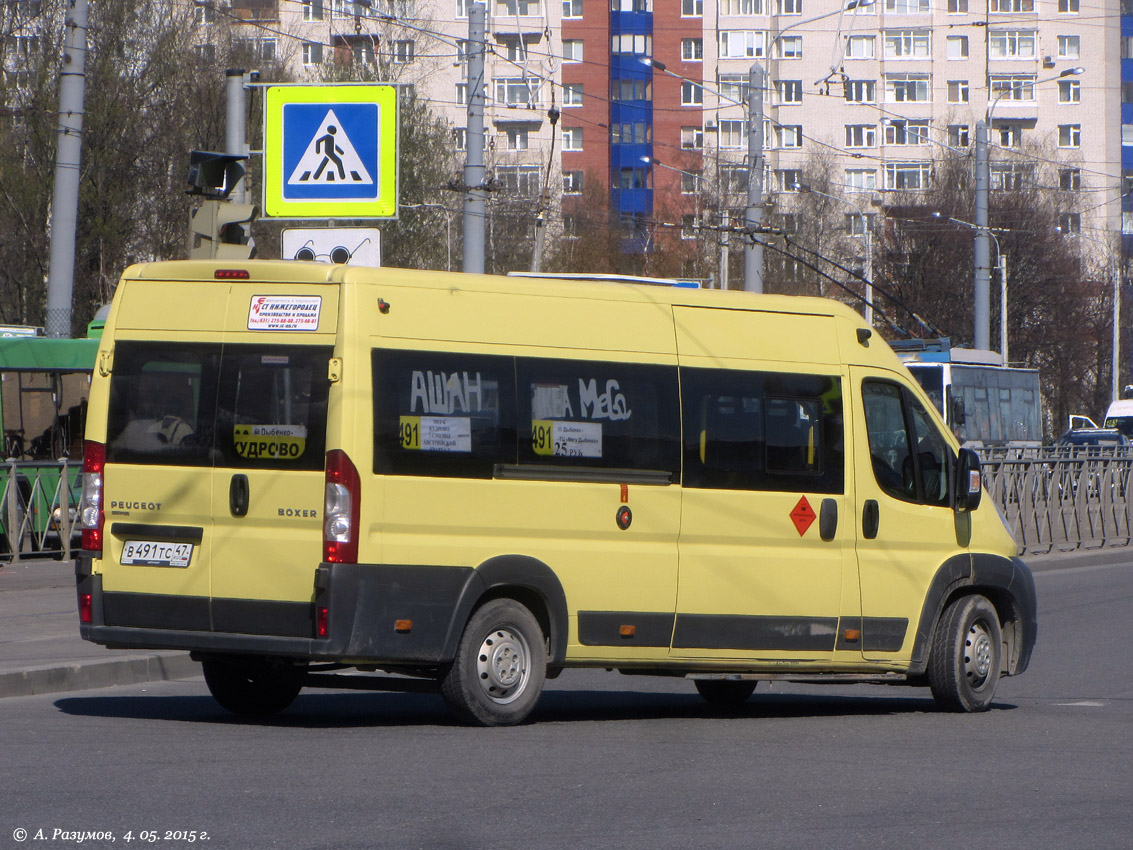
[[868, 245], [982, 311], [1001, 264]]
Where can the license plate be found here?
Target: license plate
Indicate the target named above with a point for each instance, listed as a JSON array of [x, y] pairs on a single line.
[[150, 553]]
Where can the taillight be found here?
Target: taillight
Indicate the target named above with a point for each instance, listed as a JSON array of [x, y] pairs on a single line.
[[341, 509], [86, 609], [91, 514]]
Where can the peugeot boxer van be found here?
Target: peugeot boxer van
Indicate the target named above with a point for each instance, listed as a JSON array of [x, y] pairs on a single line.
[[307, 474]]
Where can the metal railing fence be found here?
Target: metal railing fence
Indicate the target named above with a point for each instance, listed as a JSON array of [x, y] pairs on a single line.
[[37, 509]]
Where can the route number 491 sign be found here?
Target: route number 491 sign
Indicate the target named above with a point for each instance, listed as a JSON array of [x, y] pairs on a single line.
[[330, 151]]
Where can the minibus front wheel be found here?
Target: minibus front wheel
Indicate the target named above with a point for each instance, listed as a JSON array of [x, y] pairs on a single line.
[[250, 688], [498, 672], [967, 655]]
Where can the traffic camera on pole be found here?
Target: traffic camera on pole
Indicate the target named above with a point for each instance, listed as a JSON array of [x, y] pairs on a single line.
[[219, 228]]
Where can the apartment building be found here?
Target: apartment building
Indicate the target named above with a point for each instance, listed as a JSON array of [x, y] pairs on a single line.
[[648, 97]]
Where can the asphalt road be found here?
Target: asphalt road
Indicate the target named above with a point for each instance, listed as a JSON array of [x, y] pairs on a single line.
[[608, 761]]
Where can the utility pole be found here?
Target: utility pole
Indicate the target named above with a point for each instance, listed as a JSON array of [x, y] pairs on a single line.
[[723, 278], [981, 336], [475, 209], [65, 193], [753, 215]]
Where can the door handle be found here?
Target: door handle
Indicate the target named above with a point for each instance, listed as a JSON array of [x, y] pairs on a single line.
[[238, 495], [828, 520], [871, 519]]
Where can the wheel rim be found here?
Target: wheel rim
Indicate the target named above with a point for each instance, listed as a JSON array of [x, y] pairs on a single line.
[[978, 653], [503, 665]]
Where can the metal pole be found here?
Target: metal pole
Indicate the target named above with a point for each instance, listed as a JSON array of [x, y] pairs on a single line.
[[982, 327], [474, 205], [753, 215], [723, 282], [65, 193], [235, 132], [868, 269], [1002, 305], [1115, 379]]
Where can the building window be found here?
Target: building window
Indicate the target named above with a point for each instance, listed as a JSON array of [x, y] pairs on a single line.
[[572, 94], [692, 49], [630, 90], [901, 132], [1069, 91], [860, 180], [1126, 134], [632, 43], [632, 178], [741, 45], [1003, 7], [907, 88], [907, 176], [1070, 224], [1069, 7], [572, 50], [572, 182], [1010, 135], [1011, 44], [861, 91], [790, 91], [788, 179], [1070, 135], [958, 91], [957, 46], [631, 133], [517, 138], [791, 47], [744, 8], [517, 8], [692, 138], [689, 182], [791, 7], [1016, 87], [734, 88], [521, 180], [312, 10], [733, 134], [733, 178], [572, 138], [403, 51], [861, 136], [860, 47], [517, 91], [907, 7], [959, 136], [692, 94], [690, 226], [312, 53], [572, 8], [789, 136], [1070, 180], [1010, 177], [1070, 47], [692, 8], [957, 7], [907, 44]]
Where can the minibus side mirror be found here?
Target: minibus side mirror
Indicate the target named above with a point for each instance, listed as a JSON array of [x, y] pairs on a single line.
[[968, 485]]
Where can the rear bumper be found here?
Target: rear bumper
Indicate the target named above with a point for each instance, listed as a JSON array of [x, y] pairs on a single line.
[[375, 614]]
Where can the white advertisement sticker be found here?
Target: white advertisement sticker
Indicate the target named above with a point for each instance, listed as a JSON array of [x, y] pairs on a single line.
[[284, 312]]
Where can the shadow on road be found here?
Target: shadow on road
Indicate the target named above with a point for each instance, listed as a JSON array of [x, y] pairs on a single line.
[[333, 709]]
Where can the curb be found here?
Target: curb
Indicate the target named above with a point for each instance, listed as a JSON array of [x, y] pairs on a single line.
[[87, 675]]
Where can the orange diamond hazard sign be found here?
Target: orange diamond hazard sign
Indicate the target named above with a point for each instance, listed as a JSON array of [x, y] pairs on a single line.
[[803, 516]]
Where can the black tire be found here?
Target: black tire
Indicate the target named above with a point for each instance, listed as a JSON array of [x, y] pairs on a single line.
[[967, 655], [250, 689], [725, 693], [500, 666]]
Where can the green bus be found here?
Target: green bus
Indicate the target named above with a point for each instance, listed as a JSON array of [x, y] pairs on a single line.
[[44, 384]]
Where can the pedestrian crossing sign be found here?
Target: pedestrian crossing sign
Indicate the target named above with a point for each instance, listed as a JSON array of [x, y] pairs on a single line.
[[330, 151]]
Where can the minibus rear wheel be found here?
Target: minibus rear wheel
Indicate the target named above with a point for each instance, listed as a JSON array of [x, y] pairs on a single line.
[[500, 666], [250, 689], [967, 655]]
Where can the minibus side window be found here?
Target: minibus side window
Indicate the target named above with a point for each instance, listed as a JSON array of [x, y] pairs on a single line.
[[762, 431], [443, 414], [162, 403], [896, 423], [272, 408], [598, 414]]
